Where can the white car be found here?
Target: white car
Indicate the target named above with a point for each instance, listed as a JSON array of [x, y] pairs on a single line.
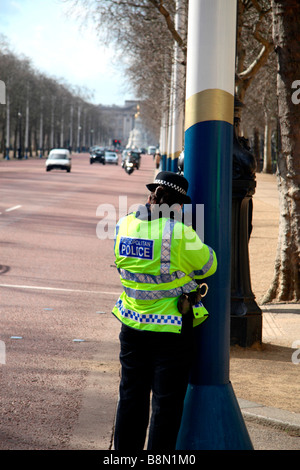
[[59, 159], [111, 157], [151, 150]]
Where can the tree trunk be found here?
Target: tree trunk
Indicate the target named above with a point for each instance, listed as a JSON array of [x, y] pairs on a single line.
[[286, 282], [256, 148], [267, 167]]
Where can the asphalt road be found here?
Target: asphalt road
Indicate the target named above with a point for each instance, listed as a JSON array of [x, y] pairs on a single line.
[[58, 284]]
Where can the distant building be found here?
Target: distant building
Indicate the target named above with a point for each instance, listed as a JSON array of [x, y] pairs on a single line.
[[120, 122]]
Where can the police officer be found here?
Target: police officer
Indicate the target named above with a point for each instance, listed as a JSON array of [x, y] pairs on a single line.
[[161, 263]]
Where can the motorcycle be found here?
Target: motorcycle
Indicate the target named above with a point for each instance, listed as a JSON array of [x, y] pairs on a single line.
[[128, 166], [131, 162]]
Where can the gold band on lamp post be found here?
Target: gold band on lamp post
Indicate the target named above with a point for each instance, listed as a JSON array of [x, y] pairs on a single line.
[[209, 105], [175, 155]]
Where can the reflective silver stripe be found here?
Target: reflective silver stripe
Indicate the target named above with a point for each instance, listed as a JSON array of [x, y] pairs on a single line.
[[156, 319], [150, 278], [160, 294], [165, 256], [117, 230], [206, 267]]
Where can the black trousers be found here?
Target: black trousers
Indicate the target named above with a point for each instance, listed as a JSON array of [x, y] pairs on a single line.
[[157, 362]]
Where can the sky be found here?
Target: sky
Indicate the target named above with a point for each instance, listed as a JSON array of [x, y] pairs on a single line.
[[59, 46]]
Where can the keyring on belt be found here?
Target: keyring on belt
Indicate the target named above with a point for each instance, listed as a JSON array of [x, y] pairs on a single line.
[[206, 289]]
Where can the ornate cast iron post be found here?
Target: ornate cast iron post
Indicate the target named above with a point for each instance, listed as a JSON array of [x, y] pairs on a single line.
[[246, 316]]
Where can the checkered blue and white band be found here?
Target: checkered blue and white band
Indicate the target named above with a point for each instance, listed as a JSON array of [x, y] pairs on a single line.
[[170, 185], [158, 319]]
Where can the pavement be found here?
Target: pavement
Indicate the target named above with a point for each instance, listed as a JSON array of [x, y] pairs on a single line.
[[281, 327], [281, 322]]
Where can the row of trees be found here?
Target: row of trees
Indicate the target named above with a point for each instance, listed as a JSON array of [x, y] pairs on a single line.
[[144, 32], [268, 62], [43, 112]]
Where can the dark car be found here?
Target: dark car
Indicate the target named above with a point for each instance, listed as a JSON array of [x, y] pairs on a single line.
[[135, 158], [97, 156]]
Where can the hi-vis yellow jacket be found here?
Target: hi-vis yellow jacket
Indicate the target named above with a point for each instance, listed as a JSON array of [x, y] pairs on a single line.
[[158, 260]]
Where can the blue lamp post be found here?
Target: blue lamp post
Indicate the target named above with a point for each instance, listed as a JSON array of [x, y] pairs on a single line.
[[212, 419]]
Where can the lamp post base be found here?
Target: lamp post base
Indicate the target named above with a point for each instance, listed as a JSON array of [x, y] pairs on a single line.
[[212, 420], [245, 331]]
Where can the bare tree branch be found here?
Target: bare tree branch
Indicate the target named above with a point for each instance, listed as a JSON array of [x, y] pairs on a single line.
[[262, 57], [158, 4]]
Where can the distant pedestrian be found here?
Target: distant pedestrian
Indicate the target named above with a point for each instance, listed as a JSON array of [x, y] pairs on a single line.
[[157, 159]]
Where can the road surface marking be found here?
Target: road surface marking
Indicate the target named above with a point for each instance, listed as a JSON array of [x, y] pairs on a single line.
[[59, 289], [12, 208]]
